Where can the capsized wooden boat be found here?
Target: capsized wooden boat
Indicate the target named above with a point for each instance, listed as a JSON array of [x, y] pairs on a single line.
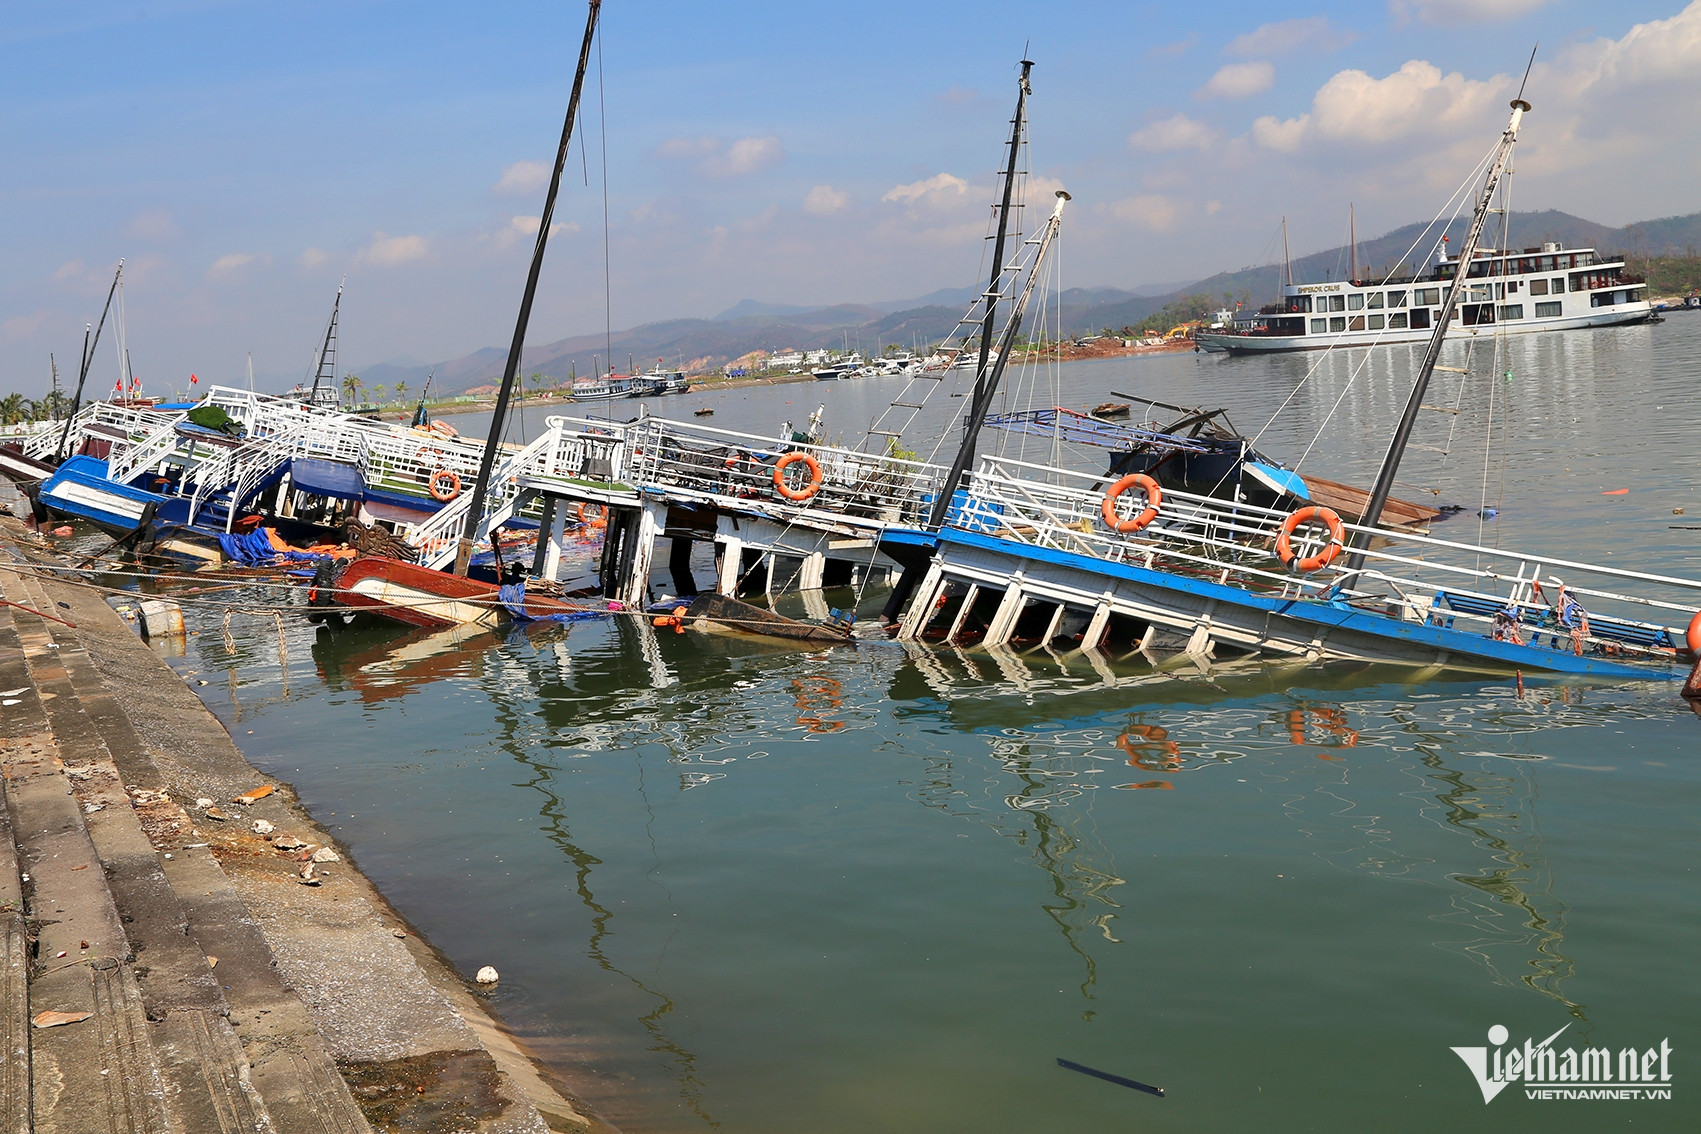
[[722, 612], [1111, 409], [420, 596]]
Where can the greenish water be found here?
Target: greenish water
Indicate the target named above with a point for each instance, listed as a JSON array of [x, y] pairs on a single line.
[[756, 890]]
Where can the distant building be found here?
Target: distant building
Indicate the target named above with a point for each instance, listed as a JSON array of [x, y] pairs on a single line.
[[816, 357], [786, 360]]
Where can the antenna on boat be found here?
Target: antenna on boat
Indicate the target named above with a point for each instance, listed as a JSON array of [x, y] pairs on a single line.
[[985, 382], [1527, 67], [475, 506], [1461, 272]]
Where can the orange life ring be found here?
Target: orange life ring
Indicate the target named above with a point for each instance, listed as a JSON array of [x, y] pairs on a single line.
[[1319, 514], [1694, 635], [1154, 501], [587, 513], [445, 486], [797, 495]]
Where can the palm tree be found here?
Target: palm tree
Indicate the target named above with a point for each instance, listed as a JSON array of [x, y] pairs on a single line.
[[401, 391], [351, 386], [12, 409]]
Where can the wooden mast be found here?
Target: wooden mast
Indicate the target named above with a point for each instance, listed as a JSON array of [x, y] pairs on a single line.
[[475, 506], [986, 382], [1461, 272]]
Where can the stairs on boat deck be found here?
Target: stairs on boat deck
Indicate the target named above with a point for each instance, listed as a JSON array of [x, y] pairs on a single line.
[[123, 933]]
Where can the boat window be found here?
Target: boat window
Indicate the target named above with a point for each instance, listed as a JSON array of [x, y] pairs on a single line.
[[1426, 296], [1397, 321], [1374, 301], [1337, 322], [1337, 303], [1548, 310], [1559, 285], [1420, 319], [1545, 264], [1357, 323], [1318, 326], [1396, 299], [1355, 302], [1513, 286], [1511, 311], [1376, 322], [1538, 287]]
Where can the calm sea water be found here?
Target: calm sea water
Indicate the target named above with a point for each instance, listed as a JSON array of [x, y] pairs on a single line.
[[732, 887]]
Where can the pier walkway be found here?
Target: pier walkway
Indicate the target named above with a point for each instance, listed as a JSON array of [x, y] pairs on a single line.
[[166, 970]]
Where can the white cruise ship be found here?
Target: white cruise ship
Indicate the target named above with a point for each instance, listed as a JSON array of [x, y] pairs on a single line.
[[1548, 288]]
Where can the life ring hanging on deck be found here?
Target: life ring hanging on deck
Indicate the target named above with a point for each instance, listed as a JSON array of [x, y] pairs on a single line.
[[1154, 501], [797, 495], [444, 485], [1316, 513]]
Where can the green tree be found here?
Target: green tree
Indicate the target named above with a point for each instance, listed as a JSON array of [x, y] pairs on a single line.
[[351, 387], [378, 392], [11, 409], [401, 390]]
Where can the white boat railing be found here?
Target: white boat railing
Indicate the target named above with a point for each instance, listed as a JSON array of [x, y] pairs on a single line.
[[1405, 576], [737, 470]]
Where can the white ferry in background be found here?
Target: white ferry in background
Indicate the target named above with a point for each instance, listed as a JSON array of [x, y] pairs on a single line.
[[1549, 288]]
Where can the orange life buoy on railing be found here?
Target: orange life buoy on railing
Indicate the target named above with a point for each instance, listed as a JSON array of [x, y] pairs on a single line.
[[1154, 501], [797, 495], [587, 513], [1318, 514], [445, 486], [1693, 637]]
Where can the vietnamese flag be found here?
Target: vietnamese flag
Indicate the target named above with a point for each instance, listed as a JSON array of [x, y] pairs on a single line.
[[193, 379]]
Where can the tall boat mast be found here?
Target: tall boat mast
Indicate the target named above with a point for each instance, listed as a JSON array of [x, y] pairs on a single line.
[[89, 346], [1352, 239], [498, 418], [1287, 262], [327, 356], [1461, 272], [985, 383]]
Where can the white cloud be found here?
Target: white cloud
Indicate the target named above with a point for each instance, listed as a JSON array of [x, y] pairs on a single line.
[[1238, 80], [69, 271], [522, 177], [22, 326], [1657, 51], [1149, 210], [227, 264], [312, 257], [388, 251], [1416, 99], [1178, 132], [1179, 47], [1462, 11], [716, 157], [824, 200], [1276, 134], [941, 188], [1314, 32], [154, 224], [528, 226]]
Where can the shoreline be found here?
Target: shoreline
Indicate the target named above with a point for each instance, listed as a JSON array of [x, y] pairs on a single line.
[[334, 1009]]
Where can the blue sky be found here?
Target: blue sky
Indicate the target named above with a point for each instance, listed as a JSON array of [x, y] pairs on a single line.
[[244, 156]]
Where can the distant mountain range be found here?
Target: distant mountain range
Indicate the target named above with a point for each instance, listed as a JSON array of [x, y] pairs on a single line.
[[700, 344]]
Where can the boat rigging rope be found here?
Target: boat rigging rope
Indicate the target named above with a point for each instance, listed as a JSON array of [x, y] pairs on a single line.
[[1454, 203]]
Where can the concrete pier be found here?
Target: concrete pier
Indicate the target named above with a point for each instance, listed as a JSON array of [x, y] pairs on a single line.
[[208, 987]]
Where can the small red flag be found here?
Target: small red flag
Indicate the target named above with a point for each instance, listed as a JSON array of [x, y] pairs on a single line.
[[193, 379]]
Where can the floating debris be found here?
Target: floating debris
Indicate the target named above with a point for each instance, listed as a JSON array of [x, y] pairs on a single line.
[[487, 975], [248, 798]]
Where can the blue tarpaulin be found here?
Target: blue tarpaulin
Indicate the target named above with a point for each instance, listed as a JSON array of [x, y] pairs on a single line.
[[255, 550], [513, 599]]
